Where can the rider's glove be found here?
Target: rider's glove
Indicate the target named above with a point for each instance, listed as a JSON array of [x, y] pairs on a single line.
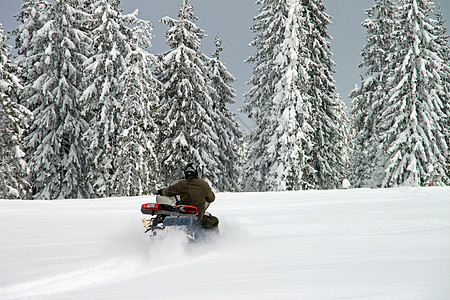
[[160, 192]]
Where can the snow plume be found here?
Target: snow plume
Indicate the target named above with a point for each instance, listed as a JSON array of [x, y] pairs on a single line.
[[169, 251]]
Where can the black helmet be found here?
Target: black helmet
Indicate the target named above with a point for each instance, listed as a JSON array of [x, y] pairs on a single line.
[[191, 170]]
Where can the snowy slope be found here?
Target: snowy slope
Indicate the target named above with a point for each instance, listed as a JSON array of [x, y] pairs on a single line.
[[346, 244]]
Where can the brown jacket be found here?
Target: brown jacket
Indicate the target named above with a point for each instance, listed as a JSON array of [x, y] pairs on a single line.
[[192, 191]]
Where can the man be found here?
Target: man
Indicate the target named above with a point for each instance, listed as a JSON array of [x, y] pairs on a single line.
[[193, 191]]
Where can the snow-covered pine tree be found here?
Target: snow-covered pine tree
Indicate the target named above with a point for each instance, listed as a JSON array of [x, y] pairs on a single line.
[[32, 19], [55, 149], [295, 143], [413, 146], [326, 109], [136, 157], [30, 45], [290, 143], [13, 122], [368, 98], [443, 41], [189, 128], [344, 143], [228, 132], [268, 29], [242, 153], [112, 42]]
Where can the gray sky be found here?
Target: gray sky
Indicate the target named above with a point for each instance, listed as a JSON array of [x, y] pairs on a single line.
[[232, 19]]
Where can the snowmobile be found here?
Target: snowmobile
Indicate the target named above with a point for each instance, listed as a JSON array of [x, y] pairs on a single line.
[[167, 215]]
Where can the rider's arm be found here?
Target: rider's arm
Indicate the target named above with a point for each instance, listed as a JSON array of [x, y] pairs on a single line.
[[210, 197], [172, 190]]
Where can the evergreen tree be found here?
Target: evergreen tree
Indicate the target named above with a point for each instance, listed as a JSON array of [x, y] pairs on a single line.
[[290, 141], [368, 99], [136, 158], [326, 107], [29, 45], [295, 143], [442, 40], [192, 129], [228, 132], [413, 147], [56, 153], [268, 27], [344, 143], [13, 122], [242, 152], [102, 98]]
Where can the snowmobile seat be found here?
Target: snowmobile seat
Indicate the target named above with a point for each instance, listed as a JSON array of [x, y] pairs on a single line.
[[166, 200]]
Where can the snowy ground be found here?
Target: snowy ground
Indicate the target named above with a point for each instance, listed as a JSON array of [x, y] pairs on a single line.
[[389, 244]]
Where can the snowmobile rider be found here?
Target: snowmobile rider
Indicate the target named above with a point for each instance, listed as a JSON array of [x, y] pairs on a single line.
[[192, 191]]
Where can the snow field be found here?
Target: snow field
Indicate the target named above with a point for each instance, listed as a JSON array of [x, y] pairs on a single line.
[[342, 244]]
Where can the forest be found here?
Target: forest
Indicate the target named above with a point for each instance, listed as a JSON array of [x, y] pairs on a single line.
[[88, 111]]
